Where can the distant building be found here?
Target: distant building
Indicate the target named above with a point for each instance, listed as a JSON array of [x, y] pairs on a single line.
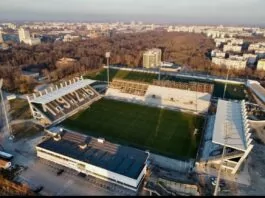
[[230, 63], [217, 53], [1, 37], [261, 64], [152, 58], [232, 48], [24, 36], [69, 38], [65, 62]]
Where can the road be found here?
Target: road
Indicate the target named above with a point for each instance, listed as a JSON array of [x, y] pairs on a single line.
[[44, 173]]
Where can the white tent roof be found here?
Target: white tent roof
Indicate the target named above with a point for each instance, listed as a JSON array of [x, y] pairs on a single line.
[[46, 98], [230, 117]]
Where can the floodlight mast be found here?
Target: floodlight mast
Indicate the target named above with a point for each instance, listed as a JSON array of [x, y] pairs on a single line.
[[226, 82], [107, 55], [222, 160], [4, 108]]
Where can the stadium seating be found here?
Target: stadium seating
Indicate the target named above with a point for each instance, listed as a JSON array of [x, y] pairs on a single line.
[[130, 87], [71, 97]]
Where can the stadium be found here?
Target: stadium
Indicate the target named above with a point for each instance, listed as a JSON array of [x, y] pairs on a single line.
[[163, 118], [95, 121]]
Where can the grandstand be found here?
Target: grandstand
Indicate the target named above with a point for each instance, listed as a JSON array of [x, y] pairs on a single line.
[[56, 103], [111, 162], [174, 95], [229, 128]]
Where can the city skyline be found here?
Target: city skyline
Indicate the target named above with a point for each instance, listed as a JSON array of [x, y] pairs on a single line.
[[234, 12]]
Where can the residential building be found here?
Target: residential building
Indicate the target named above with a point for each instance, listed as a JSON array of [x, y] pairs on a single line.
[[232, 48], [230, 63], [24, 35], [152, 58], [261, 64], [1, 37]]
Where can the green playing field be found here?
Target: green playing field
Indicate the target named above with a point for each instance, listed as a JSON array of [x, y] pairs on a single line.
[[161, 131]]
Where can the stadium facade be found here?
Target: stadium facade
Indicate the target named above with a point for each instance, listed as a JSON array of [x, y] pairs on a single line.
[[57, 103], [114, 163]]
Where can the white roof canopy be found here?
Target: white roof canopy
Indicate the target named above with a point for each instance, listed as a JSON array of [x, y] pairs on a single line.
[[61, 91], [230, 125]]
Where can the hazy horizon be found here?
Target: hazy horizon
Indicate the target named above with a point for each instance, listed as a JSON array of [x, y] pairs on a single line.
[[226, 12]]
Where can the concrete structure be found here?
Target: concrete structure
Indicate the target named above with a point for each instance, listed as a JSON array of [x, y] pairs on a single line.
[[152, 58], [114, 163], [261, 64], [228, 128], [56, 103]]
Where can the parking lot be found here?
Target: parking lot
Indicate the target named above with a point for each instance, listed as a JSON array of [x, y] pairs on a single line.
[[44, 173]]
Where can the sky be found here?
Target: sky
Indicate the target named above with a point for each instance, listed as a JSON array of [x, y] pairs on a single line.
[[232, 12]]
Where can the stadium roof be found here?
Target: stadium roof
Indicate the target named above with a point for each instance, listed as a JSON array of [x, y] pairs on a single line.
[[257, 89], [123, 160], [230, 116], [46, 98]]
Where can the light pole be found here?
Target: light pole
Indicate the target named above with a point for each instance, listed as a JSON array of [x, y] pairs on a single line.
[[4, 109], [107, 55], [226, 82], [222, 159]]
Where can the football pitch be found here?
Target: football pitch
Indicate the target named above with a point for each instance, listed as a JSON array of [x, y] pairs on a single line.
[[161, 131]]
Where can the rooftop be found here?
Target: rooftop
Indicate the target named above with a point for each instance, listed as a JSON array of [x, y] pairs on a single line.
[[123, 160], [61, 91], [230, 116], [257, 89]]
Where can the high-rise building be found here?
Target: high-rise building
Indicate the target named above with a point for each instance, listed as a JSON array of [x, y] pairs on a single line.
[[152, 58], [24, 35]]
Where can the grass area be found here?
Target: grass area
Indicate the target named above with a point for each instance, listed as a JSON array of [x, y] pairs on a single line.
[[121, 74], [19, 109], [161, 131], [233, 91], [25, 130]]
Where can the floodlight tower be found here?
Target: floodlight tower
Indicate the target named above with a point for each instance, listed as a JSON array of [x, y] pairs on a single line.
[[226, 82], [107, 55], [4, 109], [226, 130]]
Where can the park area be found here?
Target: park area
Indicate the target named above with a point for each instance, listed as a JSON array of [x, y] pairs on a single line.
[[161, 131]]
